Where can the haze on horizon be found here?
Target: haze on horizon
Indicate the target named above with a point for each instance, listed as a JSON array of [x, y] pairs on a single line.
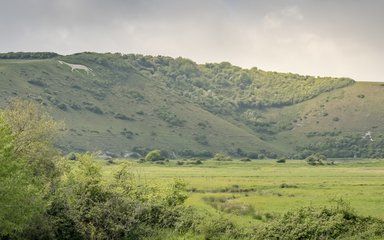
[[321, 38]]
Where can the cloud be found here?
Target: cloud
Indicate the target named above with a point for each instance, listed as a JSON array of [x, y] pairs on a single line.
[[276, 19]]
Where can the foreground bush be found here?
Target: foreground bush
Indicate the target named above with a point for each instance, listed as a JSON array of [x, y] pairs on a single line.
[[87, 208], [322, 223]]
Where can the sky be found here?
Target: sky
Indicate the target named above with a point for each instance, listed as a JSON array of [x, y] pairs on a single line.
[[340, 38]]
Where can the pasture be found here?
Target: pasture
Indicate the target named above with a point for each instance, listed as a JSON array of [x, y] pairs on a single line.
[[252, 192]]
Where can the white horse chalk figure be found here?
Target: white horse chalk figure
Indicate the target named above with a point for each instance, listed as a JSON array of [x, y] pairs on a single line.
[[77, 67]]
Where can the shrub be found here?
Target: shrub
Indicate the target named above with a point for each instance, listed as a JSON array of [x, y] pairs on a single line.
[[202, 139], [320, 223], [154, 155], [71, 156], [245, 160], [316, 159], [281, 160], [220, 228], [221, 157], [87, 208], [171, 118]]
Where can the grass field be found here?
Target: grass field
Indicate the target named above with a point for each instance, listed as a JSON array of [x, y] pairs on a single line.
[[251, 192]]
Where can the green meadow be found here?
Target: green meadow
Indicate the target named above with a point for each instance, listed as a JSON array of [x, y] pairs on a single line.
[[264, 188]]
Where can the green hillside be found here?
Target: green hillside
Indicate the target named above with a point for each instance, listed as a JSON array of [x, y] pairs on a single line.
[[116, 108], [346, 122], [123, 103]]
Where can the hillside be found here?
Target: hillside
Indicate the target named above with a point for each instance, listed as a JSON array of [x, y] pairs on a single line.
[[123, 103], [116, 108], [347, 122]]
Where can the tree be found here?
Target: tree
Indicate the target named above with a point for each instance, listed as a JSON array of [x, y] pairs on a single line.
[[154, 155], [316, 159], [33, 131], [28, 165], [21, 193]]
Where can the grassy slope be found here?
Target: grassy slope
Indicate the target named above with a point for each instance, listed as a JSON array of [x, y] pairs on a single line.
[[355, 114], [124, 91]]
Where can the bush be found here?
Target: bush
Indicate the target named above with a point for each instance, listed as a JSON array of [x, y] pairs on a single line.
[[220, 228], [154, 155], [321, 223], [71, 156], [245, 160], [221, 157], [316, 159], [87, 208], [202, 139], [281, 160]]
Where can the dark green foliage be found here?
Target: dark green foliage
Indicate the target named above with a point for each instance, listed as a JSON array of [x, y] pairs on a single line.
[[322, 134], [189, 153], [94, 109], [345, 146], [62, 106], [221, 157], [253, 155], [281, 160], [71, 156], [37, 82], [126, 133], [316, 159], [202, 139], [222, 88], [123, 117], [286, 185], [28, 55], [171, 118], [136, 95], [245, 160]]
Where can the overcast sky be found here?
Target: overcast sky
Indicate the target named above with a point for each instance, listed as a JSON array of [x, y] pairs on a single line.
[[314, 37]]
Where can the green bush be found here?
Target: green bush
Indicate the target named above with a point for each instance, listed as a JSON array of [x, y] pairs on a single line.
[[316, 159], [171, 118], [87, 208], [321, 223], [221, 157], [154, 155]]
